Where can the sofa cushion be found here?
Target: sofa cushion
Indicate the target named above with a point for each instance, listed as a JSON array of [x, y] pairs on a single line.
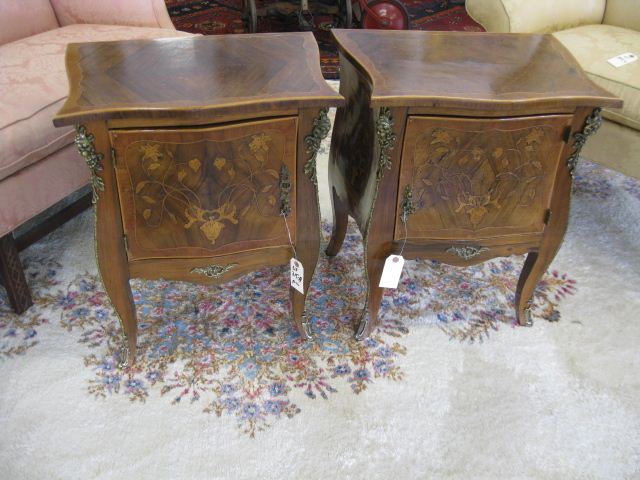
[[34, 83], [37, 187], [23, 18], [622, 13], [593, 45]]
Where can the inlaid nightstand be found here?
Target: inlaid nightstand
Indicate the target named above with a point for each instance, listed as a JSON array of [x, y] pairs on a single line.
[[462, 145], [202, 152]]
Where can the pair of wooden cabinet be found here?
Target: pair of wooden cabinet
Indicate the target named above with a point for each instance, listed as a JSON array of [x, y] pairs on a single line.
[[203, 153]]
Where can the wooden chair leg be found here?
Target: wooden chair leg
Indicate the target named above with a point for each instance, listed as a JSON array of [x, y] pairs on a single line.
[[13, 276], [375, 255], [340, 222]]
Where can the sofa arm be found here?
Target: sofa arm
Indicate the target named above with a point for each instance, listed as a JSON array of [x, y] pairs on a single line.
[[542, 16], [623, 13], [135, 13]]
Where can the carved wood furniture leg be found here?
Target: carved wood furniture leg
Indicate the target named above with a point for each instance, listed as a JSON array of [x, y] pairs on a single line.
[[316, 122], [378, 236], [338, 165], [531, 273], [109, 236], [375, 255], [340, 222], [13, 276], [538, 262]]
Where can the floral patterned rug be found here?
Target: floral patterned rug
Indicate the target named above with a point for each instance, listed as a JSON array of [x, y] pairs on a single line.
[[224, 387], [232, 350]]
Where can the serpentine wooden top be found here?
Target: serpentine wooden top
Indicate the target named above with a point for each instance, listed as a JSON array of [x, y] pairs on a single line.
[[470, 70], [194, 77]]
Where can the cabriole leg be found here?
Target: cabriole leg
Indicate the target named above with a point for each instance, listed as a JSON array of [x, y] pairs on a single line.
[[340, 222]]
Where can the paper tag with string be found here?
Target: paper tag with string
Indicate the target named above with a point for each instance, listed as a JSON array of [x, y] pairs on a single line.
[[296, 270], [393, 265], [297, 275], [392, 271]]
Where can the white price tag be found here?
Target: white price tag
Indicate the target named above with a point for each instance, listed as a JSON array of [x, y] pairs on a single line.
[[297, 275], [623, 59], [391, 271]]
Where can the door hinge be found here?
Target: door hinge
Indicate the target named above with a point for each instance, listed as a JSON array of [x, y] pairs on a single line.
[[547, 216], [566, 134], [113, 157], [126, 243]]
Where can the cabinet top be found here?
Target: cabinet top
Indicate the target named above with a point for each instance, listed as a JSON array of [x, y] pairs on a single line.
[[194, 77], [470, 70]]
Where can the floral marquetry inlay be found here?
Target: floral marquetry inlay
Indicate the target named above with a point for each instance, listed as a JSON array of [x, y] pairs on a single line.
[[197, 191], [476, 178], [177, 195]]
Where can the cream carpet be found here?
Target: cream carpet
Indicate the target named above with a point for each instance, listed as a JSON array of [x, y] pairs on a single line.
[[448, 388]]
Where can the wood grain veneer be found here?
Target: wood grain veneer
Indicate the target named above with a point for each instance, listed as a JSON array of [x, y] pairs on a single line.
[[461, 143], [199, 148]]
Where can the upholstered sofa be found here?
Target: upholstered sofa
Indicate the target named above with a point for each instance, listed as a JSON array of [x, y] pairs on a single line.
[[39, 165], [593, 31]]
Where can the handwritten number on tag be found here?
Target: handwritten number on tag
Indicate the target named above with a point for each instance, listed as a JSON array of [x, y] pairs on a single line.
[[297, 275]]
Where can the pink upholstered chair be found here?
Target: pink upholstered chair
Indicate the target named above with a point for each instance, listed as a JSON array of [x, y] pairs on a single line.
[[39, 165]]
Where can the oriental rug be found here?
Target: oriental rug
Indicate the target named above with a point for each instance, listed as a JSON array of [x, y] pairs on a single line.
[[448, 387]]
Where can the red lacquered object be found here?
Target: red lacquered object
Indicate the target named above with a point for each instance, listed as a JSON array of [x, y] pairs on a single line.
[[384, 15]]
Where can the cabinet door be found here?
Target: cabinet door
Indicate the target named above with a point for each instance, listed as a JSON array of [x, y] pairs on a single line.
[[473, 178], [193, 192]]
